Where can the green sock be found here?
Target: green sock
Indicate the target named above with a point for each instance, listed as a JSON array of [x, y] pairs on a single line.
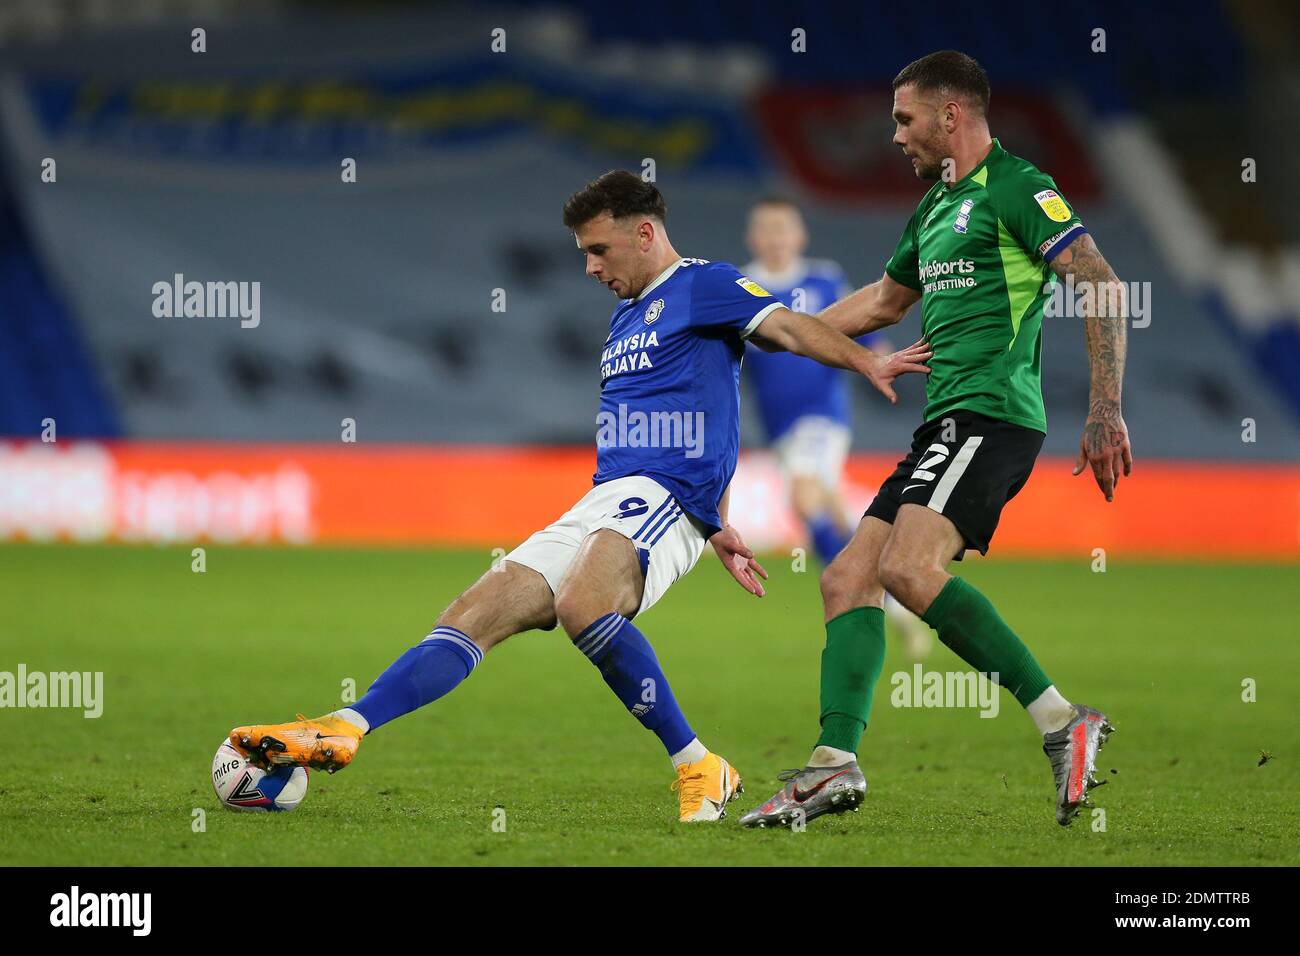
[[851, 663], [972, 627]]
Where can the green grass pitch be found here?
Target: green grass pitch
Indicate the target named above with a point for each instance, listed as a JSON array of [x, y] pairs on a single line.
[[263, 633]]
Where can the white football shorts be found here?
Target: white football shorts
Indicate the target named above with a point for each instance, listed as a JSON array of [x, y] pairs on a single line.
[[815, 447], [668, 540]]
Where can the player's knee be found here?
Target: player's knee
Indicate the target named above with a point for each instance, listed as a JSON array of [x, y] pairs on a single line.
[[832, 584], [461, 615], [897, 574], [574, 612], [506, 600], [457, 613], [845, 587]]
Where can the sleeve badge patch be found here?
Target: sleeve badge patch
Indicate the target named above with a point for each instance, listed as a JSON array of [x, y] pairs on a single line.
[[752, 287], [1053, 205], [1042, 250]]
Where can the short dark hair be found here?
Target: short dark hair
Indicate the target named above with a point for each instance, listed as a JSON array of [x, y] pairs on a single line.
[[948, 71], [777, 199], [618, 192]]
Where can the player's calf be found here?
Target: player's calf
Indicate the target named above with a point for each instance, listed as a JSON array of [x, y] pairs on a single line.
[[627, 662], [630, 668], [606, 572], [500, 603]]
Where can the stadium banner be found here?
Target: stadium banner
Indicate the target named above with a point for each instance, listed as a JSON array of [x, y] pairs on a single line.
[[251, 115], [837, 142], [495, 496]]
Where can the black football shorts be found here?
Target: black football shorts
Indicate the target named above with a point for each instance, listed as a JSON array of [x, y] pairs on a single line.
[[965, 466]]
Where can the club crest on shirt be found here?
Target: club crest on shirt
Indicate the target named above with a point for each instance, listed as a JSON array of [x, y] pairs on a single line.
[[1053, 205], [963, 216], [652, 310]]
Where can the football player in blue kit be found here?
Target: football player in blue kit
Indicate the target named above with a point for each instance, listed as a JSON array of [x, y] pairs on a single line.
[[804, 405], [667, 438]]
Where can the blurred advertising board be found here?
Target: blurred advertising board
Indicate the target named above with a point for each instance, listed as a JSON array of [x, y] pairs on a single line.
[[494, 496]]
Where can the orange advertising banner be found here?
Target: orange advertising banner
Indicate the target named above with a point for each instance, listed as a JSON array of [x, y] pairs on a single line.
[[484, 496]]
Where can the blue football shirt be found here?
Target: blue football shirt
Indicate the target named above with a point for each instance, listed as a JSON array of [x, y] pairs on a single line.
[[789, 387], [670, 382]]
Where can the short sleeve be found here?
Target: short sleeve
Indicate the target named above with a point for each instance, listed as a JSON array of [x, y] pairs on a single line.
[[1037, 215], [722, 298], [902, 265]]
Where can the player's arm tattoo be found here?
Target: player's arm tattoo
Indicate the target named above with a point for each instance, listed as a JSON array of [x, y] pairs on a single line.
[[1104, 306]]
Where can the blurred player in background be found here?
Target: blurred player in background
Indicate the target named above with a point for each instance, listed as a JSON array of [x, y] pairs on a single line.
[[674, 348], [804, 405]]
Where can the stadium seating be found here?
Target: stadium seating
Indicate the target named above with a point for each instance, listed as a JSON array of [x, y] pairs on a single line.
[[377, 297]]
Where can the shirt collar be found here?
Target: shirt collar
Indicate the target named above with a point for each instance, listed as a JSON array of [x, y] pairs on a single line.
[[993, 151], [662, 277]]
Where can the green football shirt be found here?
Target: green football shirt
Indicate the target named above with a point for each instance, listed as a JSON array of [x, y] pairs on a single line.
[[978, 253]]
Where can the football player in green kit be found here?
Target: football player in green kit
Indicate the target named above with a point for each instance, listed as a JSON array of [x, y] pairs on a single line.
[[981, 253]]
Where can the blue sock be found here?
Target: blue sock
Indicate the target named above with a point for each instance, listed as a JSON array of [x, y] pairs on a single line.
[[828, 540], [628, 663], [420, 676]]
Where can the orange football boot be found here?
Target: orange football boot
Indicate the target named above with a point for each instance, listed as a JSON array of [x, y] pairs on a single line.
[[326, 743], [704, 788]]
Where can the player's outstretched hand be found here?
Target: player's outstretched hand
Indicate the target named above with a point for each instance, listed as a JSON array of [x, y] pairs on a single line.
[[886, 368], [739, 560], [1106, 448]]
